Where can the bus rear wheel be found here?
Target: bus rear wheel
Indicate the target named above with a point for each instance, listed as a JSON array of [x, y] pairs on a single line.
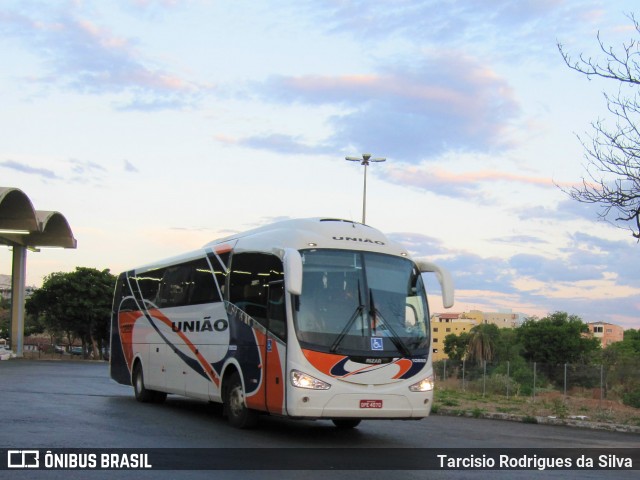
[[142, 393], [346, 423], [234, 404]]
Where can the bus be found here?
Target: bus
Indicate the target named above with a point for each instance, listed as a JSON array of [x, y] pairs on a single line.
[[309, 319]]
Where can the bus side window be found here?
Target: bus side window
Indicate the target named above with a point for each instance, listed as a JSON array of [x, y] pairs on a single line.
[[203, 287], [251, 274], [175, 286], [149, 285]]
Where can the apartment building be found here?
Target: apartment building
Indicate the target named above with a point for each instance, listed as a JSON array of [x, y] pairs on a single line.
[[502, 319], [443, 324]]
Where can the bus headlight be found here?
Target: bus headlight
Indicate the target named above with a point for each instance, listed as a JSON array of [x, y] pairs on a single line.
[[302, 380], [424, 385]]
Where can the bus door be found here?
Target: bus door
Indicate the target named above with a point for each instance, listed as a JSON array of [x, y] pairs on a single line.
[[274, 353], [256, 287]]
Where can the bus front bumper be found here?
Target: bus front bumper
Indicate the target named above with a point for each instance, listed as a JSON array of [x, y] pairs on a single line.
[[359, 405]]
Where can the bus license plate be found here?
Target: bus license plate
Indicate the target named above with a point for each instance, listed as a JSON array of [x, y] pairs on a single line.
[[370, 403]]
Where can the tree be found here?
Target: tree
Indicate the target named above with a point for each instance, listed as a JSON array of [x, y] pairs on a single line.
[[628, 347], [5, 318], [613, 153], [557, 339], [455, 346], [482, 343], [77, 303], [507, 347], [32, 324], [622, 363]]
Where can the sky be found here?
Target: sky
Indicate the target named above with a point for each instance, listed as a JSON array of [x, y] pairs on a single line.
[[155, 127]]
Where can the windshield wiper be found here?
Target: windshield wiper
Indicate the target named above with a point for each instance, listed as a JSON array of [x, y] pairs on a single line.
[[395, 338], [346, 328]]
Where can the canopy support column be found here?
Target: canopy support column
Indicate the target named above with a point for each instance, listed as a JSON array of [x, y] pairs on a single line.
[[18, 278]]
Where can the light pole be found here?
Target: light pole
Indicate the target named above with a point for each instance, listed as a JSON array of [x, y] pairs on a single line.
[[366, 158]]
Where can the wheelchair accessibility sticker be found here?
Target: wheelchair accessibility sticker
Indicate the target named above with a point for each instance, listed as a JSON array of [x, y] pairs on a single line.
[[376, 343]]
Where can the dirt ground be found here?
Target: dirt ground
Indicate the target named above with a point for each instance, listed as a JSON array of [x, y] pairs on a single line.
[[580, 404]]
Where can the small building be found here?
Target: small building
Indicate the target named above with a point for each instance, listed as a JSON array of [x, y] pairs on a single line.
[[5, 288], [608, 333]]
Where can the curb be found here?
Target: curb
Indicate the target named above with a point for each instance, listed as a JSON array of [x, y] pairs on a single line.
[[567, 422]]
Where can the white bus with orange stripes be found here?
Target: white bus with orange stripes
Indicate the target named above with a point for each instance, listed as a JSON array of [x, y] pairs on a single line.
[[310, 319]]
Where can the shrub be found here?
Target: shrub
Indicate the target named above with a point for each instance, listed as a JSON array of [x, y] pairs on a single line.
[[560, 408], [520, 373], [631, 397], [477, 412], [499, 384]]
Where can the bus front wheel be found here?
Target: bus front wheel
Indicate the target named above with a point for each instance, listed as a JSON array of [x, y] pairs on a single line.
[[345, 423], [142, 393], [234, 405]]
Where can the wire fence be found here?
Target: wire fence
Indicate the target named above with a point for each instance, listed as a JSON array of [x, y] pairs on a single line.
[[618, 382]]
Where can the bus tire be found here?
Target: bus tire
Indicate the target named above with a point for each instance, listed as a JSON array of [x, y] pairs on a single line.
[[238, 414], [346, 423], [143, 394]]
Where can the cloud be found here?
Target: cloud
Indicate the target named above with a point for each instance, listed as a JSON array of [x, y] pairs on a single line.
[[567, 209], [286, 144], [21, 167], [528, 26], [80, 55], [412, 112], [547, 270], [473, 272], [84, 171], [144, 4], [467, 185], [83, 167], [419, 245], [72, 170], [520, 239], [619, 256], [130, 167]]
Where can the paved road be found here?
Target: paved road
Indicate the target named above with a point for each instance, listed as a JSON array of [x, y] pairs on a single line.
[[61, 404]]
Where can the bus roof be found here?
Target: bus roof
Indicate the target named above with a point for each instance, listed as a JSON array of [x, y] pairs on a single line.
[[298, 234], [311, 233]]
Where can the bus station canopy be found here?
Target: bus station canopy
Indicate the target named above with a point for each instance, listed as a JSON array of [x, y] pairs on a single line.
[[22, 225], [24, 228]]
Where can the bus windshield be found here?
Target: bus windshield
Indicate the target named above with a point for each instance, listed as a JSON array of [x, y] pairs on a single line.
[[361, 304]]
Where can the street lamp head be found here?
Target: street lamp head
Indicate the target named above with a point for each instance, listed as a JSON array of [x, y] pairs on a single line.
[[366, 158]]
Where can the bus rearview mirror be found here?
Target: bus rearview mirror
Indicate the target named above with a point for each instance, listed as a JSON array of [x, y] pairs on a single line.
[[444, 278], [293, 271]]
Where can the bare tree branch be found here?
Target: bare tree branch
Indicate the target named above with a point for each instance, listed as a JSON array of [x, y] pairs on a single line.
[[613, 150]]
